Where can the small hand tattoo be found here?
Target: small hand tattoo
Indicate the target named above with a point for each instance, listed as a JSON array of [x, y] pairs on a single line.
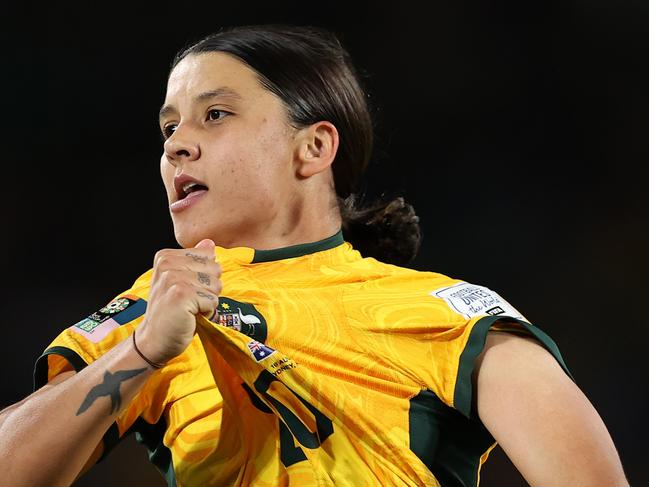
[[201, 259], [205, 295], [110, 387], [204, 278]]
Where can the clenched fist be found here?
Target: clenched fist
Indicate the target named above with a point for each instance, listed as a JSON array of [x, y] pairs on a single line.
[[185, 283]]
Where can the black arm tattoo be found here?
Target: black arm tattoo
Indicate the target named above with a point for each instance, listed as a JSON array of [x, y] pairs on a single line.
[[110, 387], [203, 278], [197, 258]]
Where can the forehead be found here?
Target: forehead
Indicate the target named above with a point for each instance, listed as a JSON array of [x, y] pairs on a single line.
[[198, 73]]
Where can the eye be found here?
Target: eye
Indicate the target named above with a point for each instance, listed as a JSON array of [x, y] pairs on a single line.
[[214, 114], [168, 130]]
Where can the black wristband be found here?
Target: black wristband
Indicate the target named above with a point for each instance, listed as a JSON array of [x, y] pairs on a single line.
[[152, 364]]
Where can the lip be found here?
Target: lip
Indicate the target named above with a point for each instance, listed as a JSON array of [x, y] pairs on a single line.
[[183, 200], [180, 180], [188, 201]]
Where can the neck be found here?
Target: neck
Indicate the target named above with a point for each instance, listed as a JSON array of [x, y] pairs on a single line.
[[305, 227], [304, 219]]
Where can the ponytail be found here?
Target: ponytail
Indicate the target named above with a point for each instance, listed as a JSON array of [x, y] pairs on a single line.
[[386, 230]]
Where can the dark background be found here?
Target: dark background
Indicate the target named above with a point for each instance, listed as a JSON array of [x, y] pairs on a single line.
[[518, 130]]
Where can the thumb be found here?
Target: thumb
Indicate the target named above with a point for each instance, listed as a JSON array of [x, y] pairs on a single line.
[[206, 243]]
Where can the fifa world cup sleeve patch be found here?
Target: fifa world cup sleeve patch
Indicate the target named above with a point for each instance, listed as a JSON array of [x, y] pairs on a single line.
[[470, 300], [118, 312]]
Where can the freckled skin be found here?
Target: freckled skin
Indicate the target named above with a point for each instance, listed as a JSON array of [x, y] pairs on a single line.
[[247, 159]]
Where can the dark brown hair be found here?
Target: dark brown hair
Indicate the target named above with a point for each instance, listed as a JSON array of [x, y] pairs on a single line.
[[312, 73]]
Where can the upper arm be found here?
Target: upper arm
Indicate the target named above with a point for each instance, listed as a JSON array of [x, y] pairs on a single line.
[[541, 419]]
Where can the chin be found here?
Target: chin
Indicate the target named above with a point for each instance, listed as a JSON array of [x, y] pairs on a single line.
[[189, 239], [184, 243], [188, 235]]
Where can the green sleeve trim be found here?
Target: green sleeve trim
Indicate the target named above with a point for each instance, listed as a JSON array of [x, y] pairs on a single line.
[[464, 387], [111, 437], [40, 369]]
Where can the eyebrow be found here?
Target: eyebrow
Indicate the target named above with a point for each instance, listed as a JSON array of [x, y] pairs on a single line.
[[206, 95]]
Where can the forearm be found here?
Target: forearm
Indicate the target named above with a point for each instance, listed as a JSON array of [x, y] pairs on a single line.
[[46, 438]]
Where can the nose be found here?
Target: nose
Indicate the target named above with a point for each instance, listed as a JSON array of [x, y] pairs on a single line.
[[181, 147]]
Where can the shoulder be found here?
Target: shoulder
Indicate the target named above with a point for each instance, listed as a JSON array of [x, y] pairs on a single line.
[[142, 284], [94, 334], [464, 300], [472, 300]]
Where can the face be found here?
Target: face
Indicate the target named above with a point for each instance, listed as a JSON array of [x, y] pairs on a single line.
[[227, 164]]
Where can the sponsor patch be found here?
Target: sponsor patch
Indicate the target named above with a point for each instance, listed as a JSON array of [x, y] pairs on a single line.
[[118, 312], [471, 300], [260, 351], [95, 331]]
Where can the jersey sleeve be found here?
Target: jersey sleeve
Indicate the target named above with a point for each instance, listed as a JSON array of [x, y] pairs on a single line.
[[473, 311], [86, 341]]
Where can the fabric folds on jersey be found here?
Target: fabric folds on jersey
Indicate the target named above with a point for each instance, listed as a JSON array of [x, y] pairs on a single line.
[[322, 368]]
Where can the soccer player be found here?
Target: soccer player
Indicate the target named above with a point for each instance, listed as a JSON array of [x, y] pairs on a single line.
[[281, 344]]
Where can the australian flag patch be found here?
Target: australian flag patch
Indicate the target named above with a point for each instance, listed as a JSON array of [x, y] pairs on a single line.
[[259, 350]]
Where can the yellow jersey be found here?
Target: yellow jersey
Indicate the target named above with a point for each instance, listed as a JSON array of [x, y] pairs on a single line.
[[321, 368]]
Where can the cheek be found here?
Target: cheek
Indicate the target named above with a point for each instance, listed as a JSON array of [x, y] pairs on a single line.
[[274, 156], [253, 170], [246, 186]]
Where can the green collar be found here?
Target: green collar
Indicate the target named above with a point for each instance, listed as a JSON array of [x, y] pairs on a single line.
[[299, 249]]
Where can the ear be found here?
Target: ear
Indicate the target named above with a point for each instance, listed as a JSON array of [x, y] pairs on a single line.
[[317, 145]]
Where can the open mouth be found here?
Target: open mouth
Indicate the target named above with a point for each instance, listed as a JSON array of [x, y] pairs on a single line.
[[186, 186], [189, 188]]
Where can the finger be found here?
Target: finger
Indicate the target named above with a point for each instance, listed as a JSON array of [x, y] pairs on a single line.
[[208, 281], [167, 259], [203, 252], [206, 243], [182, 269], [207, 303]]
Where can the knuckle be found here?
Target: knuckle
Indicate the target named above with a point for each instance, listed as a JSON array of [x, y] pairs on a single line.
[[160, 255], [165, 261], [163, 276], [178, 291], [169, 277]]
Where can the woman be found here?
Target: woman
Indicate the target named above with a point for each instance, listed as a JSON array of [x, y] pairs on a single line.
[[270, 351]]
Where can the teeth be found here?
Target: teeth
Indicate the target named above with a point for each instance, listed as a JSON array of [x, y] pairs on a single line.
[[187, 186]]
